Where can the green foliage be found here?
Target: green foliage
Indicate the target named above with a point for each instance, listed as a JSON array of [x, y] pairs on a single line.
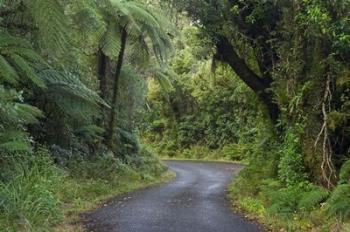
[[27, 188], [147, 164], [291, 169], [312, 199], [68, 92], [235, 152], [49, 18], [17, 61], [344, 174], [50, 95], [14, 115], [284, 202], [339, 202], [103, 167], [201, 108]]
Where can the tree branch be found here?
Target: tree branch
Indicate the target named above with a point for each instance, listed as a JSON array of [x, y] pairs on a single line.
[[261, 86]]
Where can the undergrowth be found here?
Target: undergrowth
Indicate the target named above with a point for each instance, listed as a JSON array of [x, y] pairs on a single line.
[[228, 152], [284, 199], [37, 195]]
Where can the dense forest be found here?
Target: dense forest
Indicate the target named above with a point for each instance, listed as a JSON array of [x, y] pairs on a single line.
[[92, 92]]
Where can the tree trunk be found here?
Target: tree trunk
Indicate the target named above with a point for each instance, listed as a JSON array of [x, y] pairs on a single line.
[[102, 65], [112, 117], [259, 85]]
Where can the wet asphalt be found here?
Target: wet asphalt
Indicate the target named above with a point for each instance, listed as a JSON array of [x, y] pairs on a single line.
[[194, 202]]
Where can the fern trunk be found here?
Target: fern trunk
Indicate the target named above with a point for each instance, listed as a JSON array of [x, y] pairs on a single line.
[[113, 112], [102, 65]]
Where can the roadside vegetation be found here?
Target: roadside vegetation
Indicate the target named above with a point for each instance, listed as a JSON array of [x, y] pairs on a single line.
[[72, 80], [267, 83]]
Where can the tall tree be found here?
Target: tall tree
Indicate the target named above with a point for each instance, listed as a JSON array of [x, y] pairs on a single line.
[[235, 25], [135, 24]]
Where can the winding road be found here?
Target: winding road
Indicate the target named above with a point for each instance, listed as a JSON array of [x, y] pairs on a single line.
[[194, 202]]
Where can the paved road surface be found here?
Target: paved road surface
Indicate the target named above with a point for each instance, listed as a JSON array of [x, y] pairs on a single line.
[[194, 202]]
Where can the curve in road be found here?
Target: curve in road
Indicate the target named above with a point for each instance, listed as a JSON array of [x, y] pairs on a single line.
[[194, 202]]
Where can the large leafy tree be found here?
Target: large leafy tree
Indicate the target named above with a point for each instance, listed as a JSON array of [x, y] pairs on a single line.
[[241, 32]]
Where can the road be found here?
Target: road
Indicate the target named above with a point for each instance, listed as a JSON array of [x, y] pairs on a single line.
[[194, 202]]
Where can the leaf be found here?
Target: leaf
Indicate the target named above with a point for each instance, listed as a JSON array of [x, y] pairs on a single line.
[[7, 72], [111, 43], [26, 70]]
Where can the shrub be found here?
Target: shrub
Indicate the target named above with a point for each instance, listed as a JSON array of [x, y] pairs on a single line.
[[291, 168], [313, 198], [146, 163], [344, 175], [285, 201], [104, 167], [339, 202], [158, 126], [234, 151]]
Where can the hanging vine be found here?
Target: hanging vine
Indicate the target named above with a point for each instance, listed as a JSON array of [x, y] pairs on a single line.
[[327, 167]]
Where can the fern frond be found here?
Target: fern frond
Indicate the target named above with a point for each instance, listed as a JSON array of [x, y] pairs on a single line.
[[29, 55], [26, 70], [344, 174], [90, 132], [163, 76], [14, 141], [339, 202], [51, 22], [140, 13], [90, 23], [312, 198], [28, 114], [7, 72], [13, 111], [17, 59], [14, 115], [64, 84], [7, 40], [111, 43]]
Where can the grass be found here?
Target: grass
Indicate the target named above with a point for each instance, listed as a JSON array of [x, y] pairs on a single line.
[[84, 195], [198, 152], [36, 195], [204, 160], [255, 208]]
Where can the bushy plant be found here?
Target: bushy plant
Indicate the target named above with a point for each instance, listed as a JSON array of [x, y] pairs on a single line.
[[312, 198], [338, 203], [28, 199], [344, 174], [235, 152], [103, 167], [291, 168], [146, 163]]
